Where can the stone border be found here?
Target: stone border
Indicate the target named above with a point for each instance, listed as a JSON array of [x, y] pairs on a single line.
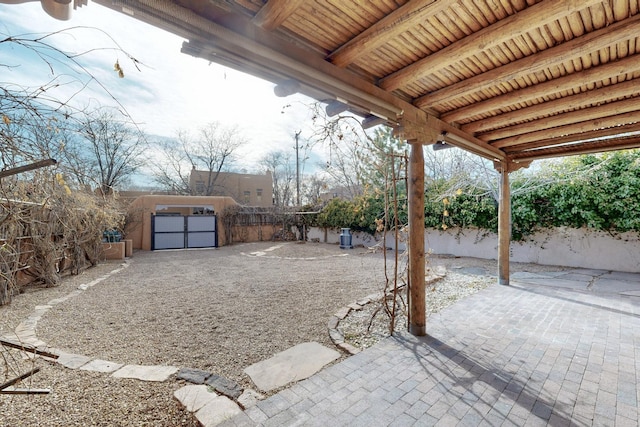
[[334, 322], [432, 276], [209, 408]]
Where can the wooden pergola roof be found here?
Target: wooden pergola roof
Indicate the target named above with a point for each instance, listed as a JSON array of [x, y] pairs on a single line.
[[510, 80]]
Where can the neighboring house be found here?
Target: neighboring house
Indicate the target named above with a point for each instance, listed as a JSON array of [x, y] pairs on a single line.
[[345, 193], [245, 189]]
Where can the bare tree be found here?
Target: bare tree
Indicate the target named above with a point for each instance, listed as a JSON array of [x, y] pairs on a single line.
[[211, 151], [357, 157], [173, 168], [313, 187], [107, 152], [283, 172]]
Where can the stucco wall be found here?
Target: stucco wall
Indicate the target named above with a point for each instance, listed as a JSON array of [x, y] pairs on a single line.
[[140, 210], [561, 246]]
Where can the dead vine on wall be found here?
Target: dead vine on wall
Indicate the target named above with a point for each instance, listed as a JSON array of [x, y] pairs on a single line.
[[47, 230], [269, 223]]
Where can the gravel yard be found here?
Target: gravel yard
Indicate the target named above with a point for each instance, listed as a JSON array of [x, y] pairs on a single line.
[[219, 310]]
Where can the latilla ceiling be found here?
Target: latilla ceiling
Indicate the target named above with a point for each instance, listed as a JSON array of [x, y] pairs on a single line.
[[508, 80]]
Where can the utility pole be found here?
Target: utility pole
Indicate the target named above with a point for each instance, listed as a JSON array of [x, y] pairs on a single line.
[[297, 169]]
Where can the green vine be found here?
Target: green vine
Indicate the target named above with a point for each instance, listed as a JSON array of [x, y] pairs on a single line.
[[600, 192]]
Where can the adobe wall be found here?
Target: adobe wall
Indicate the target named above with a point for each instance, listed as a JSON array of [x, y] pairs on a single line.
[[140, 210], [581, 248]]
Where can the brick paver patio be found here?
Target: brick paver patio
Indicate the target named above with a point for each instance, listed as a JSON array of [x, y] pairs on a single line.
[[523, 355]]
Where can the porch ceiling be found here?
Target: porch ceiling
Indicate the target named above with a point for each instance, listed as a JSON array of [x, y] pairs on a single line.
[[506, 79]]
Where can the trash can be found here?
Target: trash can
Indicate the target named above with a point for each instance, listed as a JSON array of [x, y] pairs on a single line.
[[345, 239]]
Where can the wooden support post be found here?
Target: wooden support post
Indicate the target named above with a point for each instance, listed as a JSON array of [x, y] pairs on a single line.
[[504, 226], [417, 310]]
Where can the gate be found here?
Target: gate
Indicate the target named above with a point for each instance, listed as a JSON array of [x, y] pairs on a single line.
[[180, 232]]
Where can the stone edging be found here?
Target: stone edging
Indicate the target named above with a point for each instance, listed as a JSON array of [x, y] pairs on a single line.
[[334, 322], [208, 407], [431, 277]]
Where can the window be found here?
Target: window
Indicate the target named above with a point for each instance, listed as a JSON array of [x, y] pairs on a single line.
[[259, 195], [199, 187], [247, 197]]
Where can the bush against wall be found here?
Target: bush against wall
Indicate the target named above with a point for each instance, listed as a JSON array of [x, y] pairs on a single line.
[[600, 192]]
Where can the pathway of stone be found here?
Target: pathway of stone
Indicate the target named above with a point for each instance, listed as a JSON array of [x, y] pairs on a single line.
[[212, 398]]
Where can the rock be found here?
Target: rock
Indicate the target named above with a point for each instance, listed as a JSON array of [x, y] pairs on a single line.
[[224, 386], [72, 361], [194, 397], [249, 398], [217, 411], [99, 365], [333, 322], [195, 376], [348, 348], [157, 373], [336, 336], [294, 364], [342, 313]]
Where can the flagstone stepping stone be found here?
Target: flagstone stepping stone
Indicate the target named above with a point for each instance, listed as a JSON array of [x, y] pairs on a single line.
[[220, 409], [146, 373], [224, 386], [72, 361], [194, 397], [294, 364], [98, 365]]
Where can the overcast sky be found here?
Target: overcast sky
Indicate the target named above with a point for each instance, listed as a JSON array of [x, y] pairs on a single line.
[[171, 91]]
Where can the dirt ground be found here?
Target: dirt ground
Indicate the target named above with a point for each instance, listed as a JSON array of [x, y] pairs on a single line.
[[219, 310]]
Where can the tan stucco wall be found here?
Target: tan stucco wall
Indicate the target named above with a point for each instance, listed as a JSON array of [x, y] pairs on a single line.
[[140, 210]]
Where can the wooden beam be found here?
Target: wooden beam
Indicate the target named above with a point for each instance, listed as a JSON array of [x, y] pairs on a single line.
[[579, 149], [549, 108], [417, 304], [504, 30], [577, 116], [574, 138], [397, 22], [532, 64], [18, 379], [610, 70], [275, 12], [249, 48], [468, 142], [504, 225], [356, 92], [26, 168], [27, 348], [572, 129]]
